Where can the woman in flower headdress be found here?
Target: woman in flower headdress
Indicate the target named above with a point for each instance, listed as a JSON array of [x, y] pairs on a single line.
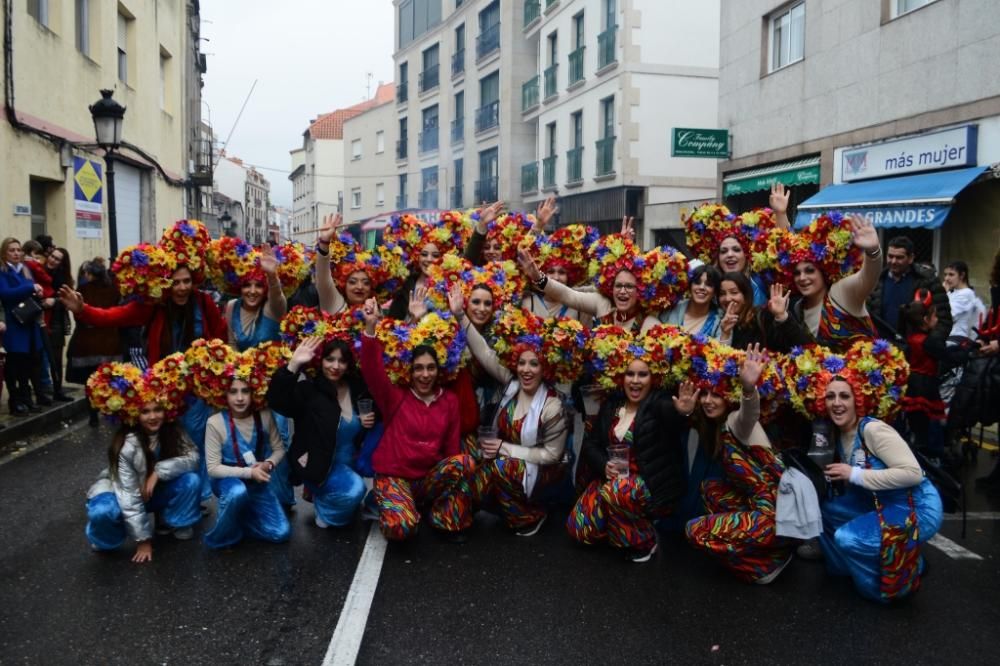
[[874, 529], [527, 456], [629, 284], [424, 244], [641, 419], [242, 443], [822, 264], [739, 528], [563, 256], [418, 463], [152, 473], [496, 237], [743, 324], [698, 314]]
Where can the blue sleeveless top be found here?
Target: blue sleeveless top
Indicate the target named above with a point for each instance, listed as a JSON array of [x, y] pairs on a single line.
[[264, 329]]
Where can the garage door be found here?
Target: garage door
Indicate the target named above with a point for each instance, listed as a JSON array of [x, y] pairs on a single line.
[[127, 203]]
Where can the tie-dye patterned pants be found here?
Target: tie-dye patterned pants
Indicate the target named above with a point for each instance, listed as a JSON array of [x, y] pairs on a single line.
[[499, 485], [740, 528], [445, 490], [616, 510]]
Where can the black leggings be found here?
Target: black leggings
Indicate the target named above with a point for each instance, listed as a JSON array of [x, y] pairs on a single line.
[[22, 372]]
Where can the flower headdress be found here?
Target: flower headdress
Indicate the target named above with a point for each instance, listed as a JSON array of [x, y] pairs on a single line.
[[611, 349], [505, 282], [510, 230], [303, 322], [188, 241], [706, 228], [410, 233], [119, 390], [385, 266], [560, 343], [232, 262], [826, 242], [568, 247], [215, 365], [293, 267], [438, 331], [661, 274], [144, 271], [715, 367], [882, 372], [807, 371]]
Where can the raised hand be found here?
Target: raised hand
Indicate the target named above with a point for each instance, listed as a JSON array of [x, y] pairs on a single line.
[[329, 229], [752, 367], [528, 266], [730, 319], [778, 199], [777, 305], [686, 398], [863, 232], [372, 315], [628, 228], [304, 353], [490, 213], [71, 300], [456, 300], [268, 262], [544, 212], [418, 303]]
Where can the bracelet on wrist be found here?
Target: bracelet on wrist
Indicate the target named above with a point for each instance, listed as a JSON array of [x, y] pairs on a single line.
[[874, 253], [319, 248], [541, 282]]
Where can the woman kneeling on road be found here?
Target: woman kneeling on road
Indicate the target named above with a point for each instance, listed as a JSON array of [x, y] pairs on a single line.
[[152, 465], [418, 462]]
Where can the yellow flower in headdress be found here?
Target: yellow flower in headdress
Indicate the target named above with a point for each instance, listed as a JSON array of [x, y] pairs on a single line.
[[187, 241], [144, 271]]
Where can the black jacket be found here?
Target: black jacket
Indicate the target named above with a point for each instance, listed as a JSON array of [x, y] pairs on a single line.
[[657, 441], [923, 278], [778, 337], [313, 404]]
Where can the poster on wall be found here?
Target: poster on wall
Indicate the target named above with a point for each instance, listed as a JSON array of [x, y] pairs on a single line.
[[88, 197]]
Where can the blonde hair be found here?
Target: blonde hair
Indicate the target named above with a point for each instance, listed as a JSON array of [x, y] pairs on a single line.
[[3, 251]]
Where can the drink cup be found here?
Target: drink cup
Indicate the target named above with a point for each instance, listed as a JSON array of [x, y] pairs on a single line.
[[486, 435], [618, 457], [365, 407]]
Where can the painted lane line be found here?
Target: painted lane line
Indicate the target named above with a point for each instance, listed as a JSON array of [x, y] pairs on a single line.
[[975, 515], [346, 640], [952, 549]]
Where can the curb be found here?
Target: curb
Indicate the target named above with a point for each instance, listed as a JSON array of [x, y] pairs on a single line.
[[40, 424]]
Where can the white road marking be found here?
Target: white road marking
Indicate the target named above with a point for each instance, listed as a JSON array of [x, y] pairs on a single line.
[[952, 549], [975, 515], [346, 640]]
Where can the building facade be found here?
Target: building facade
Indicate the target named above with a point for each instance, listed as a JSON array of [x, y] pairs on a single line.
[[888, 108], [57, 56], [257, 203], [370, 187]]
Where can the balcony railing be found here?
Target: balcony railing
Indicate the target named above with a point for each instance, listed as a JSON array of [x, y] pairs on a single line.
[[402, 92], [576, 66], [550, 3], [549, 172], [428, 140], [458, 130], [429, 199], [429, 78], [529, 177], [458, 62], [551, 89], [401, 148], [488, 41], [456, 196], [401, 201], [532, 10], [487, 117], [606, 156], [574, 165], [486, 190], [529, 94], [606, 48]]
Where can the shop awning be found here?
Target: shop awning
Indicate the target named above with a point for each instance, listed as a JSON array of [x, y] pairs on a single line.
[[787, 173], [922, 201]]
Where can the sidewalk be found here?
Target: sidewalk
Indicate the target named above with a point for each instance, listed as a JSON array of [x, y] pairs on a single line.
[[14, 429]]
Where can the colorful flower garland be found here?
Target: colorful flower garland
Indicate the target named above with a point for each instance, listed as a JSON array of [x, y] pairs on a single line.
[[827, 242], [188, 241], [144, 271], [215, 365], [120, 390], [411, 234], [509, 231], [661, 274], [232, 262], [293, 266], [438, 331], [568, 247]]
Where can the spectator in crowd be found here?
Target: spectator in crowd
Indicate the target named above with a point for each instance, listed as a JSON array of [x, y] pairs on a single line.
[[58, 324], [897, 285], [22, 340], [966, 307]]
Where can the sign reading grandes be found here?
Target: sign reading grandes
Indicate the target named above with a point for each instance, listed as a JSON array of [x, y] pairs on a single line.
[[926, 217]]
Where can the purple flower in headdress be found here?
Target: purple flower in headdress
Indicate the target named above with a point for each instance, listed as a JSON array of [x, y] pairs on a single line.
[[833, 364], [140, 258], [875, 377], [731, 368], [796, 351], [120, 384], [818, 250], [186, 228], [880, 346], [802, 384], [243, 249]]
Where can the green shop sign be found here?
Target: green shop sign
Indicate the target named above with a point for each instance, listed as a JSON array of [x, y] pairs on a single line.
[[759, 182], [690, 142]]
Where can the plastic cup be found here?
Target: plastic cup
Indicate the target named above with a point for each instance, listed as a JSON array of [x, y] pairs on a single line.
[[365, 407], [618, 457], [486, 435]]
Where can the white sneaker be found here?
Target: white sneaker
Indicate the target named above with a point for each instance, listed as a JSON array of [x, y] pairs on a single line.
[[531, 530], [769, 578], [640, 556], [320, 523], [184, 533], [810, 550]]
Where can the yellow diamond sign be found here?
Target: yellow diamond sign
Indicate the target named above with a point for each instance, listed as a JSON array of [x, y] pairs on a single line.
[[88, 180]]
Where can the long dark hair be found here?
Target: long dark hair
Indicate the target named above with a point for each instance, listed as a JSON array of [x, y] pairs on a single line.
[[742, 283], [912, 315], [63, 275], [346, 353], [171, 440]]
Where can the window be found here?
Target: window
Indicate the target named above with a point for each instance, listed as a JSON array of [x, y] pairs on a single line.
[[124, 27], [489, 171], [417, 17], [787, 33], [576, 122], [403, 142], [488, 40], [458, 124], [900, 7], [356, 197], [488, 115], [610, 14], [402, 90], [379, 194], [608, 117], [553, 47], [39, 10], [578, 38], [429, 133], [550, 139], [380, 141], [430, 76], [356, 149], [83, 26], [401, 201], [456, 191], [429, 187]]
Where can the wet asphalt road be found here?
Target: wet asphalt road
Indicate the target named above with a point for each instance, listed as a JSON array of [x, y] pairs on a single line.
[[498, 599]]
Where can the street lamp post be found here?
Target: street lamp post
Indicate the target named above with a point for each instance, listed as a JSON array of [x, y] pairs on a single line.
[[226, 220], [107, 115]]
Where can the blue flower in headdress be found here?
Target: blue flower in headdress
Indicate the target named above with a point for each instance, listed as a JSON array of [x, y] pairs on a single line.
[[232, 277], [833, 364], [636, 351], [186, 228], [639, 262], [895, 392], [699, 227], [402, 333], [796, 351], [375, 260], [880, 346], [243, 249], [836, 216], [140, 258], [731, 368], [818, 250], [802, 383], [120, 384], [699, 365], [309, 327], [699, 339], [875, 377]]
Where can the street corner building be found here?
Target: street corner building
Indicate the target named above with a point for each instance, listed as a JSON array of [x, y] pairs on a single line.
[[58, 56], [887, 108]]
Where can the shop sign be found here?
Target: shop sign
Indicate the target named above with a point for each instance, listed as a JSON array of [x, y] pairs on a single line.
[[928, 152], [689, 142], [88, 197], [791, 178]]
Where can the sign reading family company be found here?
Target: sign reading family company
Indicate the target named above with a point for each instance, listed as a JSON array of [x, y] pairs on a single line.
[[927, 152], [689, 142], [88, 197]]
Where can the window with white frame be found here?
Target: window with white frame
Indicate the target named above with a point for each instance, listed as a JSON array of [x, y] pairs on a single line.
[[787, 35], [356, 149], [900, 7], [356, 197], [83, 26], [379, 194], [380, 141], [39, 10]]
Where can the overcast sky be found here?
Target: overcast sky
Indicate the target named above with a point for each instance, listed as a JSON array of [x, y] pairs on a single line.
[[308, 57]]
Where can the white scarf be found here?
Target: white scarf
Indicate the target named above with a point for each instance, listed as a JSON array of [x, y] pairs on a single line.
[[529, 427]]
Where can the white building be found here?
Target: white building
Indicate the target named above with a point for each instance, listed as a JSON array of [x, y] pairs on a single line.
[[301, 214], [572, 97], [370, 188], [257, 202], [237, 182], [896, 103]]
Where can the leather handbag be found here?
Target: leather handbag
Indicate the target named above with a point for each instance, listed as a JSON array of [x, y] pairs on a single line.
[[27, 311]]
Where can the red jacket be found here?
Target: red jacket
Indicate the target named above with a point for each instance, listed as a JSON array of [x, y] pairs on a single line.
[[417, 435], [154, 318], [42, 277]]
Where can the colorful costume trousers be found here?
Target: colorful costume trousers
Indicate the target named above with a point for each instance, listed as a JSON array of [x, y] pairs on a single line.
[[617, 510], [498, 485], [176, 502], [739, 529], [246, 507], [338, 498], [444, 490]]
